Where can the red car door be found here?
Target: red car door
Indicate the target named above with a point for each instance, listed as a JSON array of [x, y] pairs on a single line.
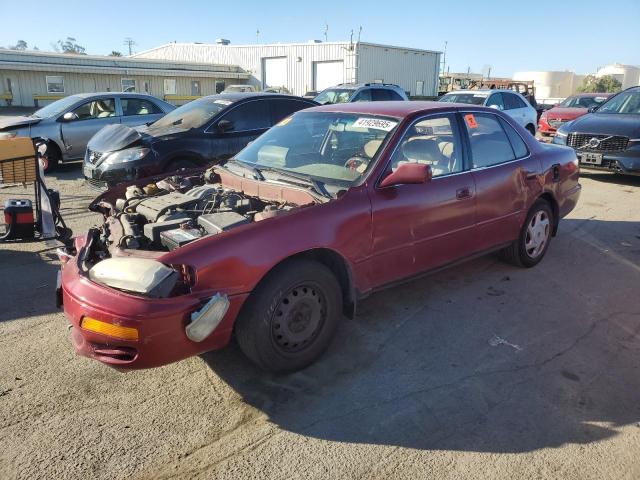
[[506, 178], [419, 227]]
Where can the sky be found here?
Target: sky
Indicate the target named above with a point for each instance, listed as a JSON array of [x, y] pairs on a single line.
[[508, 36]]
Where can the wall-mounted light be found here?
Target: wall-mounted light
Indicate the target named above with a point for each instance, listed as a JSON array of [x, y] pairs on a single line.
[[298, 59]]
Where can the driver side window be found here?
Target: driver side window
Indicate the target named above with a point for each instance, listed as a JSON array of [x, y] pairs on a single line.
[[434, 141], [102, 108]]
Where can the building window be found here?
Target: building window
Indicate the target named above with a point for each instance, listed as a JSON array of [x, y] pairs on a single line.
[[169, 86], [55, 84], [220, 86], [128, 85], [195, 88]]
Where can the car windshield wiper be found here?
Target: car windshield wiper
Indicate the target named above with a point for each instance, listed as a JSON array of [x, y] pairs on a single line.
[[245, 167], [305, 180]]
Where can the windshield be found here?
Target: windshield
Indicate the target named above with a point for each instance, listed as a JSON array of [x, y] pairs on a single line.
[[325, 146], [469, 98], [57, 107], [193, 114], [334, 95], [582, 102], [625, 102]]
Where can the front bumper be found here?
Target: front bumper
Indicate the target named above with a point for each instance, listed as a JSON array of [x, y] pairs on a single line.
[[627, 162], [160, 323], [104, 176]]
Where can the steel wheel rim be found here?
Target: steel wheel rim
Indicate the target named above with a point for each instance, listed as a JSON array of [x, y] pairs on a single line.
[[298, 318], [537, 234]]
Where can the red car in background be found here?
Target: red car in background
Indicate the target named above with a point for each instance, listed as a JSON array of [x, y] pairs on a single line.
[[569, 109], [279, 243]]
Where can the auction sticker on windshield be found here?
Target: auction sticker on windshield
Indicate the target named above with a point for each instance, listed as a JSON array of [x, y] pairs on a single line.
[[375, 123]]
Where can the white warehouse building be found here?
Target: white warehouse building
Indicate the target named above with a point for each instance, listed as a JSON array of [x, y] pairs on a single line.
[[313, 66]]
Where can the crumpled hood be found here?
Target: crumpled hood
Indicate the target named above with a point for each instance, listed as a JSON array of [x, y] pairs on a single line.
[[627, 125], [9, 122], [117, 137], [113, 137]]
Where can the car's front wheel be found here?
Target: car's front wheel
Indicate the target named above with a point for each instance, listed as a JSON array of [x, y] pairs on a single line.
[[289, 320], [535, 235]]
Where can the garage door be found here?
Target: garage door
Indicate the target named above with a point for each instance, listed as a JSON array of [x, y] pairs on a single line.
[[327, 74], [274, 72]]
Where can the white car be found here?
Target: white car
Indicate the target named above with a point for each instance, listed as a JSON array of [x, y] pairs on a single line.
[[512, 103]]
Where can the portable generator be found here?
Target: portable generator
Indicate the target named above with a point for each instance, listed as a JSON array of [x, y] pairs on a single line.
[[21, 161]]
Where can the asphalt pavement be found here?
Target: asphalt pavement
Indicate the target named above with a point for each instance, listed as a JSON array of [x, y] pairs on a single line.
[[483, 370]]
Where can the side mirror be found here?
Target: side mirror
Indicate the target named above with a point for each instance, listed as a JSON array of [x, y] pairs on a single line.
[[225, 126], [593, 108], [408, 173], [69, 117]]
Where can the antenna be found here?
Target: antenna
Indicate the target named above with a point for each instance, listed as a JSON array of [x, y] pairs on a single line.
[[130, 42], [359, 33], [326, 31]]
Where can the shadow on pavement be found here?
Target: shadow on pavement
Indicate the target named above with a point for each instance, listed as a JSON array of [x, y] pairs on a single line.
[[482, 357], [27, 281]]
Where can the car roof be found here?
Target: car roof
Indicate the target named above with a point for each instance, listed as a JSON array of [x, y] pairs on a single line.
[[115, 94], [397, 109], [483, 91], [354, 86], [603, 94], [237, 96]]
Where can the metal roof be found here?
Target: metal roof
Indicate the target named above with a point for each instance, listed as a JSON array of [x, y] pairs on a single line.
[[64, 62]]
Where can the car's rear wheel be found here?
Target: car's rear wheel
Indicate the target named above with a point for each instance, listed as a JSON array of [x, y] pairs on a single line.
[[289, 320], [533, 242]]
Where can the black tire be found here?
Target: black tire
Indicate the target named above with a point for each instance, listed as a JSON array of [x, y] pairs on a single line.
[[518, 253], [290, 319], [531, 129], [53, 161]]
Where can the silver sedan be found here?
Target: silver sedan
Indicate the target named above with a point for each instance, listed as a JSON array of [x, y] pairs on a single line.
[[70, 122]]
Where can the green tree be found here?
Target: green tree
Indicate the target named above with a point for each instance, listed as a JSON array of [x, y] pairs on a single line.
[[70, 46], [115, 53], [20, 45], [606, 83]]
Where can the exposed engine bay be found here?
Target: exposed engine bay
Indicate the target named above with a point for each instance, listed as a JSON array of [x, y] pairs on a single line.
[[177, 210]]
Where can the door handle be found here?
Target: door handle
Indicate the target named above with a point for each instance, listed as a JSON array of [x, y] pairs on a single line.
[[462, 193]]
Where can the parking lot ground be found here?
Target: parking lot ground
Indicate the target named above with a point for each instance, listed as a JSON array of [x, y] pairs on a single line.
[[479, 371]]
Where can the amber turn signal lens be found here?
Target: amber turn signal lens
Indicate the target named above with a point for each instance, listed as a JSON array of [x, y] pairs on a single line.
[[116, 331]]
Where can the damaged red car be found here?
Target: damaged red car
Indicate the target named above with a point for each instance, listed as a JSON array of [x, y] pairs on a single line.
[[278, 244]]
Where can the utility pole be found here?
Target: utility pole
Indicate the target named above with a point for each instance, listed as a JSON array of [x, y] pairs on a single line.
[[444, 57], [129, 42], [257, 35], [326, 31]]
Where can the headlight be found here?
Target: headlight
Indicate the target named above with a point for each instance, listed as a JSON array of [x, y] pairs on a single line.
[[560, 138], [128, 155], [7, 135]]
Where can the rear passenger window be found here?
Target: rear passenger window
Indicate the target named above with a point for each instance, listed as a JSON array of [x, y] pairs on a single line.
[[138, 106], [512, 101], [489, 142], [495, 100], [433, 141], [519, 147], [394, 96], [281, 109], [380, 94]]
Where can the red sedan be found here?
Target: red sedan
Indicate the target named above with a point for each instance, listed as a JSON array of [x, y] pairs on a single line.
[[278, 243], [569, 109]]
